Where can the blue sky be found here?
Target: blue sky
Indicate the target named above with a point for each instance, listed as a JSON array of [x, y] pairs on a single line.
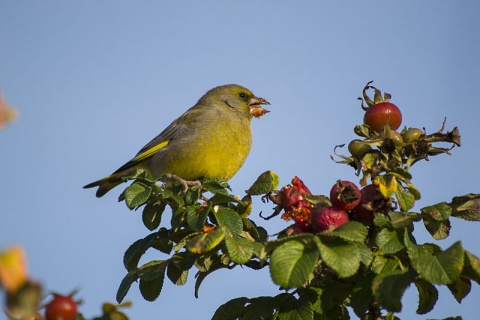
[[94, 81]]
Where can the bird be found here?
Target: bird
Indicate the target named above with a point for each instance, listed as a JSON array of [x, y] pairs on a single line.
[[212, 139]]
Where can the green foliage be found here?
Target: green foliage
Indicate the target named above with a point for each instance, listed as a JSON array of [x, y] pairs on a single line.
[[366, 265]]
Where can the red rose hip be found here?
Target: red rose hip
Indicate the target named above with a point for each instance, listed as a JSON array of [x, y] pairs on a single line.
[[328, 219]]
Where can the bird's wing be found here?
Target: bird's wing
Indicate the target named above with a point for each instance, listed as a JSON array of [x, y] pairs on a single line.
[[182, 125]]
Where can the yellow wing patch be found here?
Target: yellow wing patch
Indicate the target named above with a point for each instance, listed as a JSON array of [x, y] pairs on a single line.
[[149, 152]]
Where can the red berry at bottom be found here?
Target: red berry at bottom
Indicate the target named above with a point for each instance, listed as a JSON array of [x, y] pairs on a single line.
[[61, 308], [328, 218]]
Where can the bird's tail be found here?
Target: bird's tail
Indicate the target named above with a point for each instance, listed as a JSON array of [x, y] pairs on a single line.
[[105, 184]]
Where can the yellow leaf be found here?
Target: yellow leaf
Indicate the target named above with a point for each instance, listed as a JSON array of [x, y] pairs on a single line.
[[387, 185], [13, 268]]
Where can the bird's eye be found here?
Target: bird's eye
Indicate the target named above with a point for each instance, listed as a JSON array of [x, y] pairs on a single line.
[[243, 95]]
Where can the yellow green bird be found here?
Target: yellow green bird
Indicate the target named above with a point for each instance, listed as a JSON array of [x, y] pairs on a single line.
[[212, 139]]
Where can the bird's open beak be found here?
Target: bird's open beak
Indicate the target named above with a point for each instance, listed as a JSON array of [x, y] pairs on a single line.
[[256, 109]]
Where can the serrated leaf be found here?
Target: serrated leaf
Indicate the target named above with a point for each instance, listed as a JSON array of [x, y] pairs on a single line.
[[389, 288], [264, 307], [406, 200], [460, 288], [387, 184], [441, 267], [150, 289], [162, 242], [292, 263], [152, 270], [239, 249], [471, 268], [351, 232], [428, 295], [365, 253], [229, 219], [362, 295], [296, 309], [403, 220], [136, 194], [206, 242], [152, 214], [232, 309], [466, 207], [125, 285], [413, 190], [196, 217], [381, 264], [339, 255], [387, 240], [440, 211], [176, 275], [438, 229], [265, 183], [136, 250], [216, 185], [317, 201], [304, 238], [382, 221], [416, 251]]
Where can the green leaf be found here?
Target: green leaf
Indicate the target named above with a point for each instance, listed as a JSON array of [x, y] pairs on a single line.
[[442, 267], [136, 250], [351, 232], [389, 288], [215, 185], [438, 229], [471, 269], [151, 277], [304, 238], [383, 264], [196, 217], [229, 219], [365, 253], [206, 242], [293, 309], [460, 288], [264, 307], [153, 269], [192, 195], [362, 131], [150, 289], [178, 267], [382, 221], [176, 275], [387, 241], [162, 242], [265, 183], [401, 220], [406, 200], [341, 256], [466, 207], [125, 285], [136, 194], [152, 214], [292, 263], [440, 211], [239, 249], [232, 309], [362, 295], [428, 295]]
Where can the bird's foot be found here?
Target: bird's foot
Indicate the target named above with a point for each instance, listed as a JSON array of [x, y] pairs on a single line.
[[185, 183]]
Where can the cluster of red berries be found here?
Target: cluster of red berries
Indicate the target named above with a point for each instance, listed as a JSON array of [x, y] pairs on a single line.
[[347, 203]]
